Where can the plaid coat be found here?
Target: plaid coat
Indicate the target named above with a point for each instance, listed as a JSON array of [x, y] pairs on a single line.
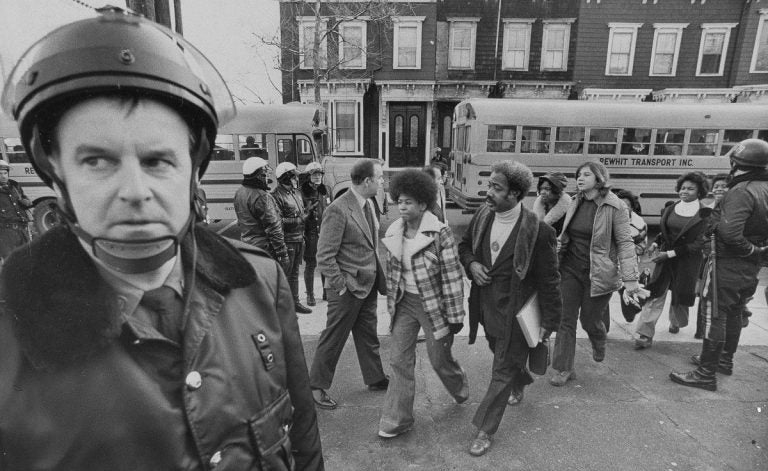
[[436, 268]]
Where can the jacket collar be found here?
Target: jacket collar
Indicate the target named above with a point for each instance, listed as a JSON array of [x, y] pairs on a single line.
[[393, 239], [64, 311]]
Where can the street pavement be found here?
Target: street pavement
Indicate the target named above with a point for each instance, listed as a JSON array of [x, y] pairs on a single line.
[[622, 414]]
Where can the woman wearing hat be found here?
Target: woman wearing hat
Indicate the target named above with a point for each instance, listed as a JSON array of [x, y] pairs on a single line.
[[553, 202], [597, 257]]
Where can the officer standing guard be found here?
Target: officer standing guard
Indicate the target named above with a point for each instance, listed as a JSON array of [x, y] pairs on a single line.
[[13, 214], [131, 337], [741, 235]]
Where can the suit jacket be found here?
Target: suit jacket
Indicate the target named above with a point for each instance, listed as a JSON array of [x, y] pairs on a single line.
[[346, 249]]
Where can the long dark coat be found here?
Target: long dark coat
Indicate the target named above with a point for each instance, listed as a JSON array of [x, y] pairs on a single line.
[[679, 274], [528, 263]]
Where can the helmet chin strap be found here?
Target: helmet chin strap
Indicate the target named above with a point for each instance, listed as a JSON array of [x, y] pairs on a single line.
[[133, 256]]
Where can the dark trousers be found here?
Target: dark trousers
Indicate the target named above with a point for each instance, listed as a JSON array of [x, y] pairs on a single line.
[[295, 250], [736, 284], [346, 314], [10, 238], [506, 375], [577, 302], [310, 263]]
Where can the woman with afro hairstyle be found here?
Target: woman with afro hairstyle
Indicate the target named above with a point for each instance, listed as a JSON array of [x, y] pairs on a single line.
[[425, 289], [679, 244]]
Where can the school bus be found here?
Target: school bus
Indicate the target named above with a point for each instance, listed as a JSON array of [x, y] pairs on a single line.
[[646, 146]]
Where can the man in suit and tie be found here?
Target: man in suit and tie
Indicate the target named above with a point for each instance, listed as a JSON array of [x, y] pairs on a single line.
[[347, 257]]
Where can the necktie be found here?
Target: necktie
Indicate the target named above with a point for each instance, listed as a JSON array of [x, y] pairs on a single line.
[[371, 224], [169, 308]]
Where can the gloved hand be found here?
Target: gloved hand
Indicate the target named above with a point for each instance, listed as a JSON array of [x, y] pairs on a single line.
[[455, 328], [285, 262]]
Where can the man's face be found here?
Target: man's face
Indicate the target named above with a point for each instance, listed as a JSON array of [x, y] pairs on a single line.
[[374, 183], [3, 176], [127, 170], [499, 196], [316, 178]]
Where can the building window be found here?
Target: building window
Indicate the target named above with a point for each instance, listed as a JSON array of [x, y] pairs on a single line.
[[307, 42], [345, 126], [713, 48], [760, 52], [517, 44], [407, 42], [461, 48], [352, 45], [621, 48], [666, 48], [554, 45]]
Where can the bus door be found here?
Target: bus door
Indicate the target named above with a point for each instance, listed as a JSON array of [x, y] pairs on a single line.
[[407, 134], [296, 149]]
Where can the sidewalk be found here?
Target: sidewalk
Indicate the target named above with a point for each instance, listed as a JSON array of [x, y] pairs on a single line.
[[622, 414]]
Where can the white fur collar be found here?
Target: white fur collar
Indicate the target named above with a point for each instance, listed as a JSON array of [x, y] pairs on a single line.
[[393, 239]]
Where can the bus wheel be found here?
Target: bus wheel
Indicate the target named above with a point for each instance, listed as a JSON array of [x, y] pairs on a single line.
[[46, 216]]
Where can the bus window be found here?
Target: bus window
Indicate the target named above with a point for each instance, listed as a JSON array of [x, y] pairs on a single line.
[[285, 151], [669, 141], [224, 148], [535, 140], [253, 145], [703, 142], [305, 150], [733, 137], [462, 138], [763, 134], [603, 140], [501, 138], [15, 151], [569, 140], [636, 141]]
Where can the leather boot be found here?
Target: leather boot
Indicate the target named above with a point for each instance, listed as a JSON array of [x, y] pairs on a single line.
[[309, 282], [723, 367], [704, 376], [732, 335]]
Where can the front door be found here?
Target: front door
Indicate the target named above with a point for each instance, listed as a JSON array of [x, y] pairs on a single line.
[[444, 127], [407, 134]]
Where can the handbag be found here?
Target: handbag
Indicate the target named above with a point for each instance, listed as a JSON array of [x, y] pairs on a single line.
[[538, 358]]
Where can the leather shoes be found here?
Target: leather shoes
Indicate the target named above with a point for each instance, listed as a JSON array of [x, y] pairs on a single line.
[[379, 385], [516, 397], [480, 444], [561, 378], [323, 400], [673, 329], [695, 379], [311, 300], [302, 309], [642, 342]]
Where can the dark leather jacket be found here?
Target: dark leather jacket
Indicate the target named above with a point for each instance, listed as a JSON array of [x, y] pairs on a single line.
[[81, 389], [742, 215], [292, 211], [13, 203], [310, 194], [259, 219]]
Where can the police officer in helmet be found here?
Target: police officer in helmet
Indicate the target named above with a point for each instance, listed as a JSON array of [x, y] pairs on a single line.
[[741, 233], [13, 215], [132, 338]]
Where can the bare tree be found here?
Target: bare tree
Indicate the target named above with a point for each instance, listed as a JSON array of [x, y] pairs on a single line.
[[329, 18]]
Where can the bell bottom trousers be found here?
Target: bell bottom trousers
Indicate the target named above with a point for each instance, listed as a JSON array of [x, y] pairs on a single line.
[[577, 302], [397, 413], [651, 312]]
